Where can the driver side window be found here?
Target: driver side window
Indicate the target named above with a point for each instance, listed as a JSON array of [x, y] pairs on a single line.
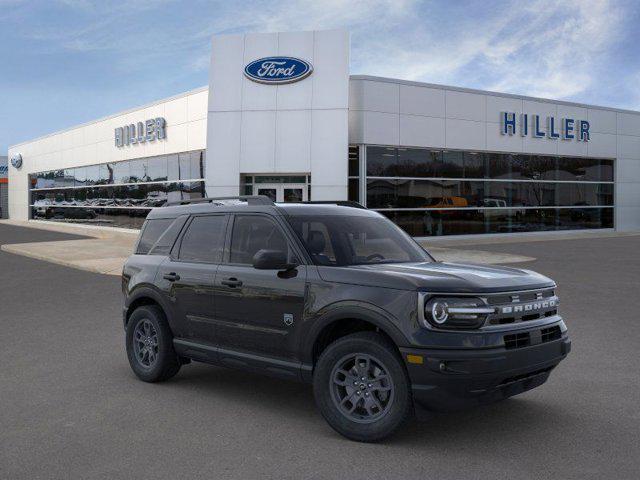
[[316, 236], [252, 233]]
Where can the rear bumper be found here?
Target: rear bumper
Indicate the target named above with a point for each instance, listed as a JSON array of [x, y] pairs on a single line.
[[453, 379]]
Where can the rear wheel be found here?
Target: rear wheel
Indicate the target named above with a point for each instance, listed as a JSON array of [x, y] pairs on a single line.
[[150, 345], [362, 388]]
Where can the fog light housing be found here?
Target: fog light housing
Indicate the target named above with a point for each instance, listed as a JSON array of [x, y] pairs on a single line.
[[456, 313]]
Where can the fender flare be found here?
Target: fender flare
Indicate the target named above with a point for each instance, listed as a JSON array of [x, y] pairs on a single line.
[[145, 291], [365, 312]]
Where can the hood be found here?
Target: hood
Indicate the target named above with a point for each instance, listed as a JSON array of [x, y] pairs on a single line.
[[438, 277]]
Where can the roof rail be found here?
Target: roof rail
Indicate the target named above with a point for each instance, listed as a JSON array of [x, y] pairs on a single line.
[[340, 203], [250, 199]]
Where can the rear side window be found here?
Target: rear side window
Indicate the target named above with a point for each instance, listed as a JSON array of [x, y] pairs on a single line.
[[167, 239], [151, 232], [204, 239]]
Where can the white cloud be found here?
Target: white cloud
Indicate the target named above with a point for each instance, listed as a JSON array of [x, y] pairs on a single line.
[[559, 51], [540, 48]]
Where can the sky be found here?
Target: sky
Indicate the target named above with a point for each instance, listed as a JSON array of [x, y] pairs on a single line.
[[66, 62]]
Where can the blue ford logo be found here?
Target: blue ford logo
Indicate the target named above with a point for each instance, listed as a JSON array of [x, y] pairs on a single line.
[[16, 160], [277, 70]]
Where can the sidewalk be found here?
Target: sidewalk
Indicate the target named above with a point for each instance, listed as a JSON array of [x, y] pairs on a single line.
[[104, 253]]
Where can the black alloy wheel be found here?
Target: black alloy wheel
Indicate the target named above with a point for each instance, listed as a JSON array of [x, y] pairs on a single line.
[[145, 343], [150, 345], [362, 388]]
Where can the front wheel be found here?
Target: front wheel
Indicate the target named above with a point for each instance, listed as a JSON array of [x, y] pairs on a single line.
[[361, 387], [150, 345]]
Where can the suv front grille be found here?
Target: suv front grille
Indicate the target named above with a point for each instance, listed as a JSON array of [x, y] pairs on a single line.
[[517, 340], [524, 339], [530, 296], [551, 333], [519, 307]]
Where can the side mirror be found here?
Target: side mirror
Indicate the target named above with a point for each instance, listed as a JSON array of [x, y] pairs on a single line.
[[272, 260]]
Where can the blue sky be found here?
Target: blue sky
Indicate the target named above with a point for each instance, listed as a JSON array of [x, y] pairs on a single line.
[[65, 62]]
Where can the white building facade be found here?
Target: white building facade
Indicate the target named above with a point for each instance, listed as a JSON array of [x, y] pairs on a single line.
[[282, 117]]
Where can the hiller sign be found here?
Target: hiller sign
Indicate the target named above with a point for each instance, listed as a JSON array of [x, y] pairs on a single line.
[[525, 124], [147, 131]]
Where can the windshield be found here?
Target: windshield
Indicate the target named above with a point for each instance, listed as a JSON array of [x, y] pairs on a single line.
[[341, 240]]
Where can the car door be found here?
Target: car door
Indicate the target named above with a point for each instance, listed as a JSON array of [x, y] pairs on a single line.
[[188, 276], [257, 310]]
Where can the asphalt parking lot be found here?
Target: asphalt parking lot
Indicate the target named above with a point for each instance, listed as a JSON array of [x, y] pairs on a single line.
[[71, 408]]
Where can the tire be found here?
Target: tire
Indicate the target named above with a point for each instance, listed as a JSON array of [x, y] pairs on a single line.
[[160, 361], [382, 406]]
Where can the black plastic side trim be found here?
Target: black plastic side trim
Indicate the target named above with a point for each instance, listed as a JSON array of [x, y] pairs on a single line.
[[240, 360]]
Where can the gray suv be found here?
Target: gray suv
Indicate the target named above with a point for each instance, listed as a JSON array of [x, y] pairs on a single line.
[[337, 296]]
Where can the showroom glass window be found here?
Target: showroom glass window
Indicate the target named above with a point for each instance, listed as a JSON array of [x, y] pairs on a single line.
[[118, 194], [447, 192]]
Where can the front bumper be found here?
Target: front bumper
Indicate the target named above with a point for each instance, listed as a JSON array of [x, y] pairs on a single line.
[[452, 379]]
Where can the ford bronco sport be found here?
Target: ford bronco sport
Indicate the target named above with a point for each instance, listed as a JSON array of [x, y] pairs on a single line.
[[338, 296]]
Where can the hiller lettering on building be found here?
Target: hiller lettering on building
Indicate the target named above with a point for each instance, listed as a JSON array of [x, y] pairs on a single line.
[[532, 125], [147, 131]]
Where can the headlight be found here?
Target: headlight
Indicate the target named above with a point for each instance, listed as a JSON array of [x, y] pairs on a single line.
[[452, 312]]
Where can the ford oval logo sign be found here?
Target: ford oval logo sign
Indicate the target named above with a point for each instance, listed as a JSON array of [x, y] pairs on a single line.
[[278, 70], [16, 160]]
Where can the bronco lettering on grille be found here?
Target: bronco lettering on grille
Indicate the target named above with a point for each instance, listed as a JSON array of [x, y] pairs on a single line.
[[528, 307]]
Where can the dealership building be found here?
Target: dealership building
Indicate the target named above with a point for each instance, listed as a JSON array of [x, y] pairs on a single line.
[[283, 117], [4, 187]]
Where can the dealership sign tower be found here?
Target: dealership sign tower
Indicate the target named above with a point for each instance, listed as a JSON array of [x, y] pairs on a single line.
[[278, 105]]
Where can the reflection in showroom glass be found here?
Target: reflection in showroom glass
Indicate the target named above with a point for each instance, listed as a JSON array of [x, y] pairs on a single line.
[[443, 193], [464, 222], [184, 166], [117, 194], [447, 192], [425, 163]]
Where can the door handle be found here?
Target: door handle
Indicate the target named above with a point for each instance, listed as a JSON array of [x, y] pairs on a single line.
[[232, 282], [172, 277]]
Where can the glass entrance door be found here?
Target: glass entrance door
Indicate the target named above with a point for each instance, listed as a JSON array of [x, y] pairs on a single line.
[[282, 192]]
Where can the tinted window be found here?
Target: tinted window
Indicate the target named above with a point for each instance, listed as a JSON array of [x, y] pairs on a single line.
[[121, 172], [355, 240], [92, 174], [151, 233], [354, 189], [108, 217], [204, 240], [138, 171], [354, 161], [80, 176], [158, 171], [190, 165], [252, 233], [381, 161], [167, 239], [500, 220]]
